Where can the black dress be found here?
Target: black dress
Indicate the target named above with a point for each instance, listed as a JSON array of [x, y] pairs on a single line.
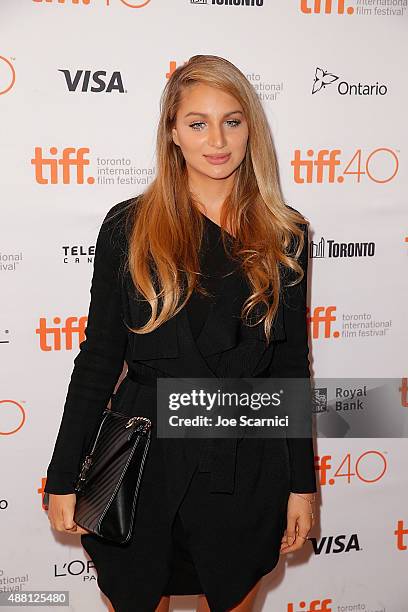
[[214, 263], [218, 514]]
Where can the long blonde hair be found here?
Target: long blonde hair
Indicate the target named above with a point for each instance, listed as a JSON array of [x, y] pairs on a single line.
[[167, 229]]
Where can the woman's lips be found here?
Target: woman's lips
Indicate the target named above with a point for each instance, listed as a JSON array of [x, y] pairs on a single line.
[[217, 159]]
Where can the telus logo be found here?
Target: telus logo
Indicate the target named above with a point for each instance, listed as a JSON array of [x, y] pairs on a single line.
[[82, 81]]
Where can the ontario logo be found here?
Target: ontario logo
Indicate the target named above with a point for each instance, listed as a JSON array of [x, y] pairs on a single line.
[[323, 78]]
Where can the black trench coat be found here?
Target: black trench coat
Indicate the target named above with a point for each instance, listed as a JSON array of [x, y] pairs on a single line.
[[242, 484]]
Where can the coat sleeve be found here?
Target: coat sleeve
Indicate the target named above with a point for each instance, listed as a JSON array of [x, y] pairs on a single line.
[[291, 360], [97, 366]]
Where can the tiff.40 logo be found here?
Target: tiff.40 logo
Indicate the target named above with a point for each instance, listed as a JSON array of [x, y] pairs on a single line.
[[326, 166], [368, 468]]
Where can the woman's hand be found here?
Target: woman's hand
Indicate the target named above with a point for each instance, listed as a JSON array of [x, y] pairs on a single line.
[[61, 514], [299, 521]]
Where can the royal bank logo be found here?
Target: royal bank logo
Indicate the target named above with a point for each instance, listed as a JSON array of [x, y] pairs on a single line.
[[319, 400], [324, 78]]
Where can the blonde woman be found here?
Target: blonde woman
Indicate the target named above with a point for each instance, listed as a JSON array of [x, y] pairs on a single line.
[[191, 279]]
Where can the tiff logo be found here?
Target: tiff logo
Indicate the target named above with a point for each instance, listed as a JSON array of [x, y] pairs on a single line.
[[322, 316], [327, 6], [70, 158], [401, 534], [303, 169], [404, 392], [314, 605], [51, 336], [380, 166]]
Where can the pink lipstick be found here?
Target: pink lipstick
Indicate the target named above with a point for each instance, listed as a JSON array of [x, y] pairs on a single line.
[[217, 159]]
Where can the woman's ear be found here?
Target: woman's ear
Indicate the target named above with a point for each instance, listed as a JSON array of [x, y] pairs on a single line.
[[175, 137]]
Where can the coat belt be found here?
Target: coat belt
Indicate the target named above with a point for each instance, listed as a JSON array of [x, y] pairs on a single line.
[[219, 455]]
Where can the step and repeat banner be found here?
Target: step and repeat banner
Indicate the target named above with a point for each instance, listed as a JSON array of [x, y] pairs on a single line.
[[80, 82]]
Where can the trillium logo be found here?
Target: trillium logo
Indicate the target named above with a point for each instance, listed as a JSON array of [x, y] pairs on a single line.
[[322, 78]]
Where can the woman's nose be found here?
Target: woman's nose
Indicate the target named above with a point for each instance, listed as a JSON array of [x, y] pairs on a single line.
[[216, 137]]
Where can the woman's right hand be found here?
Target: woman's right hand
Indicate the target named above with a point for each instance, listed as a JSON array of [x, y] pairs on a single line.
[[61, 514]]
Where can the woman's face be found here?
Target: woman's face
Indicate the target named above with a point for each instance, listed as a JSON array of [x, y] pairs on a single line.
[[211, 132]]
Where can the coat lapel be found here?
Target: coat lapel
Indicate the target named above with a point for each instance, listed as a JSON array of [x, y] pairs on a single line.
[[172, 349]]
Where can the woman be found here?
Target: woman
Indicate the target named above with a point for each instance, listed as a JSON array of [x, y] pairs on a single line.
[[211, 233]]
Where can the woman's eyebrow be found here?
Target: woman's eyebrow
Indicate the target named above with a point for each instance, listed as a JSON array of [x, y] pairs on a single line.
[[205, 115]]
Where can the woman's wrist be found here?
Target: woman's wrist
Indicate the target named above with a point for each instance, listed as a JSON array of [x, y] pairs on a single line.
[[310, 498]]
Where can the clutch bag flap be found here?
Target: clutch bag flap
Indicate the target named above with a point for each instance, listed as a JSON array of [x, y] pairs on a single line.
[[110, 476]]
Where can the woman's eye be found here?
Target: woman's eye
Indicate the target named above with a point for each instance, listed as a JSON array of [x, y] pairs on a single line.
[[196, 125]]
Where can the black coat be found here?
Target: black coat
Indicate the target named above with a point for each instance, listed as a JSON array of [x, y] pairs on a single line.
[[237, 517]]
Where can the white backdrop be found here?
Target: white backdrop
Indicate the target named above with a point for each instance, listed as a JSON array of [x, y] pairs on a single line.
[[342, 155]]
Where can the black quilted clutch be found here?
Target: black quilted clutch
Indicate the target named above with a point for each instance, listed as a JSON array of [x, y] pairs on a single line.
[[108, 484]]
